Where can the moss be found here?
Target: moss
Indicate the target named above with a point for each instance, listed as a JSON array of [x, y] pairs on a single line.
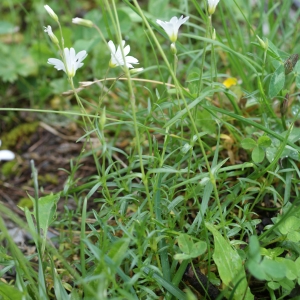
[[48, 178], [11, 138], [25, 202], [8, 169]]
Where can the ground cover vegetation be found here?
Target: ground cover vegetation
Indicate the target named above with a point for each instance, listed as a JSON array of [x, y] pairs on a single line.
[[149, 149]]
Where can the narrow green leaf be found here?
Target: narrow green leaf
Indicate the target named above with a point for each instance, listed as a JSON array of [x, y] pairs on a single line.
[[184, 111], [169, 286], [9, 292], [118, 251]]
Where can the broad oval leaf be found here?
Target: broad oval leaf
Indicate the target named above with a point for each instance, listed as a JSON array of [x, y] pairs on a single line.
[[230, 265]]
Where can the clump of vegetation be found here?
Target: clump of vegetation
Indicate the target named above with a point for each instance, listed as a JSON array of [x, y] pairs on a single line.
[[194, 137]]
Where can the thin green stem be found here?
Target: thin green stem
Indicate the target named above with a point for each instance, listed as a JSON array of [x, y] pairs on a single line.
[[188, 111], [133, 108]]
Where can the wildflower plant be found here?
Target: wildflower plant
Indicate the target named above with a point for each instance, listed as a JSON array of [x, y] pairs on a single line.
[[186, 158]]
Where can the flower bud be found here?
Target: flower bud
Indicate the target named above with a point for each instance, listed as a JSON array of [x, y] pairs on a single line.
[[51, 13], [52, 36], [263, 44], [214, 36], [173, 48], [83, 22], [136, 70]]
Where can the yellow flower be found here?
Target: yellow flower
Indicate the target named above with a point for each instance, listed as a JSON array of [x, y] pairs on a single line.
[[230, 82]]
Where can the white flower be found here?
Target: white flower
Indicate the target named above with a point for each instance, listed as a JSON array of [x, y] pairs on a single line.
[[73, 61], [117, 57], [6, 154], [171, 28], [52, 36], [212, 4], [51, 12], [84, 22]]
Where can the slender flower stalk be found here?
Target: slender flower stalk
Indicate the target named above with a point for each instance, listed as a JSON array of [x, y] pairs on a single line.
[[70, 60], [171, 28], [6, 154], [117, 58], [73, 61]]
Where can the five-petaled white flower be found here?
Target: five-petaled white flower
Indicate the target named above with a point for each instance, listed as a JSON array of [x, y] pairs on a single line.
[[6, 154], [171, 28], [117, 57], [212, 4], [73, 61]]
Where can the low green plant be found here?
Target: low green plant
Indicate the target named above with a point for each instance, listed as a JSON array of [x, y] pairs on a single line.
[[168, 125]]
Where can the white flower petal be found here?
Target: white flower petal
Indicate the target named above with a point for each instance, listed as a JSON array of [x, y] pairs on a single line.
[[131, 60], [80, 56], [6, 155], [58, 64], [111, 46], [126, 50]]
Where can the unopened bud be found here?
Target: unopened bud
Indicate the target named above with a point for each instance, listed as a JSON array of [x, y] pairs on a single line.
[[214, 35], [83, 22], [51, 12], [173, 48], [52, 36], [263, 44], [136, 70]]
